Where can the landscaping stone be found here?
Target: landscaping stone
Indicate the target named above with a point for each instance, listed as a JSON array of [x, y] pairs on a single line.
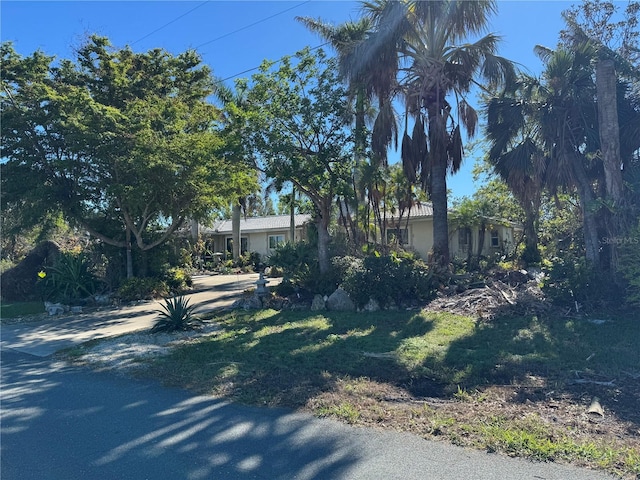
[[54, 308], [252, 303], [371, 306], [339, 301], [318, 303]]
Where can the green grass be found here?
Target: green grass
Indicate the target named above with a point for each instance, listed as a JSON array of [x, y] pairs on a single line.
[[451, 351], [339, 364], [19, 309]]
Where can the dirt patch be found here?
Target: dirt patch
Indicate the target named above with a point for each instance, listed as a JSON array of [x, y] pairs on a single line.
[[514, 410]]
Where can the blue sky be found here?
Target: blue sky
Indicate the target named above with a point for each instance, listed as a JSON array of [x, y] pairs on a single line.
[[235, 36]]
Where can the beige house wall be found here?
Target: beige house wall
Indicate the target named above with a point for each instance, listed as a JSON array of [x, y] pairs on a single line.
[[256, 241], [420, 235], [505, 241]]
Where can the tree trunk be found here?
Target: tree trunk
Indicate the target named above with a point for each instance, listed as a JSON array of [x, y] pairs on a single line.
[[481, 233], [609, 128], [589, 224], [322, 224], [439, 203], [469, 234], [531, 253], [129, 256], [235, 234], [292, 216]]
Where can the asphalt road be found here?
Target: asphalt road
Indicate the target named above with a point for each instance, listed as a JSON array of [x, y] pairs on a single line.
[[71, 423]]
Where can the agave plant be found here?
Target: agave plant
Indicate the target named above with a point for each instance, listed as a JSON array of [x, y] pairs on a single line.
[[176, 315]]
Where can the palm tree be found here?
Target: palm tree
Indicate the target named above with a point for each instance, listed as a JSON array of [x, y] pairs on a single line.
[[516, 152], [234, 101], [415, 53], [568, 119], [544, 134]]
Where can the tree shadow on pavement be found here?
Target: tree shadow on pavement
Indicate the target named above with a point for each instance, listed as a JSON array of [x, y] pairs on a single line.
[[60, 422]]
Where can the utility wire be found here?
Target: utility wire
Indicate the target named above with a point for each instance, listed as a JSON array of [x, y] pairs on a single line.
[[250, 25], [256, 68], [172, 21]]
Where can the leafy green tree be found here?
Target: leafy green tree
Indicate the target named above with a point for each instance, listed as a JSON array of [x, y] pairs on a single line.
[[122, 143], [298, 121], [344, 39]]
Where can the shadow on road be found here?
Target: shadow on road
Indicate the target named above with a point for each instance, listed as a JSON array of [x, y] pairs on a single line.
[[63, 422]]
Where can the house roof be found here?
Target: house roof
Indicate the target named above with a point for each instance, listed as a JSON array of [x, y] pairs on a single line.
[[422, 210], [258, 224]]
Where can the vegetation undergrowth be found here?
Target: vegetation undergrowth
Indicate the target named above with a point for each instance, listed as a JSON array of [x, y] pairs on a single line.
[[19, 309], [518, 385]]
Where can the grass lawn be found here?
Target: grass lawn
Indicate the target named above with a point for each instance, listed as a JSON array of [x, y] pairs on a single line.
[[19, 309], [520, 386]]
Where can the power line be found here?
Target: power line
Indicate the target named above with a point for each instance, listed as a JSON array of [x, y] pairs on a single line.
[[256, 68], [251, 25], [172, 21]]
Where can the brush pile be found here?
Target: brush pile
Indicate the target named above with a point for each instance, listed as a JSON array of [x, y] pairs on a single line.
[[502, 293]]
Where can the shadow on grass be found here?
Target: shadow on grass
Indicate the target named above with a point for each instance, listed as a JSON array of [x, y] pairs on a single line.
[[285, 358], [573, 357]]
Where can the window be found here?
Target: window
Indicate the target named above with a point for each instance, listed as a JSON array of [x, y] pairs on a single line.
[[495, 239], [275, 241], [244, 245], [464, 239], [400, 235]]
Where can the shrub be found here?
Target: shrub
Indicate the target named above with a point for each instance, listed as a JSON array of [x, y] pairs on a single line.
[[70, 278], [177, 279], [141, 289], [390, 279], [176, 315], [298, 263], [566, 279]]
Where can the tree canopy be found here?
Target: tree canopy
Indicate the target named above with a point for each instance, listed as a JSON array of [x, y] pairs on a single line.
[[121, 143], [297, 121]]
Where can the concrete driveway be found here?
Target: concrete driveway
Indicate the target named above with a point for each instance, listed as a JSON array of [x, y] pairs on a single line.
[[54, 333]]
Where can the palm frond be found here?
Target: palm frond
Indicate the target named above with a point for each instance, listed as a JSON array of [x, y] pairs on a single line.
[[468, 117], [385, 131], [455, 150]]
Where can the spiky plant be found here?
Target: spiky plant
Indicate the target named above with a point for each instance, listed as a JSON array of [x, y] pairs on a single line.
[[176, 315]]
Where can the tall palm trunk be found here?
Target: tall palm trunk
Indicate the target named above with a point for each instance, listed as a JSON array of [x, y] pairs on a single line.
[[590, 225], [440, 220], [609, 131], [531, 252], [235, 228], [438, 178]]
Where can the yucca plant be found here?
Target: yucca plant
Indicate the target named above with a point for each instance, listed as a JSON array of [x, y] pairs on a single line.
[[176, 315]]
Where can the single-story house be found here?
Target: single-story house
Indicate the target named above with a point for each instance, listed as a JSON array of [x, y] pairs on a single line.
[[257, 234], [417, 234]]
